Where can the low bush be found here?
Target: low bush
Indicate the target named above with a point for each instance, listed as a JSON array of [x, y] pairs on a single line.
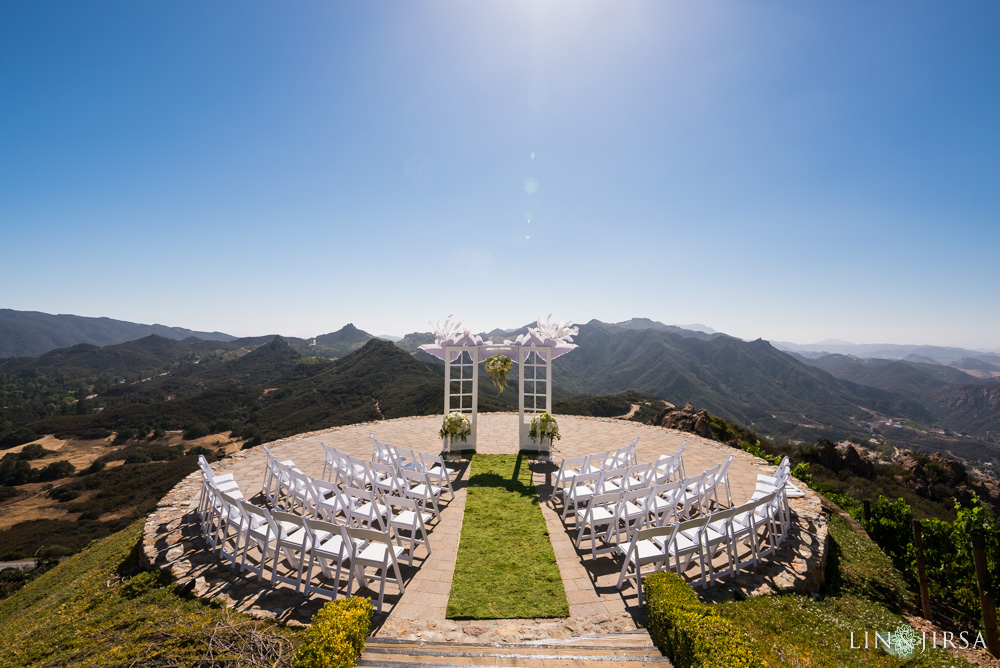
[[689, 631], [34, 451], [336, 636], [56, 470]]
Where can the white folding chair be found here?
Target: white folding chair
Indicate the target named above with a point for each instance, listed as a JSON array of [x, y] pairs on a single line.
[[211, 511], [331, 463], [581, 489], [596, 521], [365, 508], [647, 548], [689, 499], [623, 456], [744, 531], [412, 520], [260, 530], [327, 500], [438, 472], [569, 468], [359, 473], [669, 468], [718, 538], [329, 543], [224, 483], [596, 462], [299, 492], [612, 480], [232, 520], [376, 551], [420, 488], [721, 480], [632, 512], [271, 474], [638, 476], [767, 516], [687, 543], [384, 453], [292, 540], [406, 458], [776, 485], [663, 502]]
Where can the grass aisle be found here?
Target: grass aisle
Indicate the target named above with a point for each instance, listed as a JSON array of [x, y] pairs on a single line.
[[506, 568]]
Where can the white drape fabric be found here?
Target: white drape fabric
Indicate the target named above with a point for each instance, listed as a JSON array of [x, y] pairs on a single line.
[[558, 336]]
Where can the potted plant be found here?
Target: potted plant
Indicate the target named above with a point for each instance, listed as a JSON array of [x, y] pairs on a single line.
[[544, 426], [455, 425]]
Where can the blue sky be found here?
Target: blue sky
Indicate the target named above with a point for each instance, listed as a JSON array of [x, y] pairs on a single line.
[[786, 170]]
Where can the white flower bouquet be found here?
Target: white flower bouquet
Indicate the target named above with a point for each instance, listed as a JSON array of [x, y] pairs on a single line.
[[498, 368], [543, 427], [456, 425]]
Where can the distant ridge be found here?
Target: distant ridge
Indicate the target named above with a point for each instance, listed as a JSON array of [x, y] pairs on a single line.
[[32, 333], [889, 351]]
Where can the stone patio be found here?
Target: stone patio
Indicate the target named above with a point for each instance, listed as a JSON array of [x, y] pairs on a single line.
[[172, 538]]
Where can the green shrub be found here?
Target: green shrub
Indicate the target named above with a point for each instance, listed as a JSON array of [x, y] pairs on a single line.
[[337, 635], [145, 581], [203, 451], [949, 561], [56, 470], [891, 527], [34, 451], [196, 430], [689, 631]]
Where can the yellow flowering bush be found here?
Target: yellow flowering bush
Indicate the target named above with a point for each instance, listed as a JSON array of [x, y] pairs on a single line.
[[336, 637], [689, 631]]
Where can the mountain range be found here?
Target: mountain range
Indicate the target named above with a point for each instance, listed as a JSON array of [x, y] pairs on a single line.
[[30, 333], [753, 383]]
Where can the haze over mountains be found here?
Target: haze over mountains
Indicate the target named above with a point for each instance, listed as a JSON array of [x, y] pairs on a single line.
[[30, 333], [940, 394]]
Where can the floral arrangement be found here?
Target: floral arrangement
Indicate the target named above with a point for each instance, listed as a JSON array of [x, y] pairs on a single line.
[[498, 367], [456, 425], [543, 427]]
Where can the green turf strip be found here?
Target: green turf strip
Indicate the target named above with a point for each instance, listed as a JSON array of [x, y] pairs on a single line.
[[506, 568]]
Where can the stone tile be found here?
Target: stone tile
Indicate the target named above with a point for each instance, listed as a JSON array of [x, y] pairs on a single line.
[[172, 537]]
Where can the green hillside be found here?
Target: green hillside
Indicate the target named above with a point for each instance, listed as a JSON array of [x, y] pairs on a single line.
[[97, 609]]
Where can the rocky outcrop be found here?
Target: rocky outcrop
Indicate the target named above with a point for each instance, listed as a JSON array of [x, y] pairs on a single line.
[[686, 419], [934, 477], [844, 457]]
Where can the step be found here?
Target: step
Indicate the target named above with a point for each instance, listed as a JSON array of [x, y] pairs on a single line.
[[628, 650], [620, 640], [466, 651]]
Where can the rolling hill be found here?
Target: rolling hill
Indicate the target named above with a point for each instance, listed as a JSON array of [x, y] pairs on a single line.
[[752, 383], [953, 398], [30, 333]]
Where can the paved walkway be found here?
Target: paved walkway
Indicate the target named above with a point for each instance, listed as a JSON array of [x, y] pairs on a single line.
[[172, 540]]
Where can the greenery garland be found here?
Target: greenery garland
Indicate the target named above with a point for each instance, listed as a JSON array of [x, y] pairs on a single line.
[[544, 426], [456, 425], [497, 368]]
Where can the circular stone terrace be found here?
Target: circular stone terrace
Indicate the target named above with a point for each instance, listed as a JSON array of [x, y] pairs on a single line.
[[172, 539]]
